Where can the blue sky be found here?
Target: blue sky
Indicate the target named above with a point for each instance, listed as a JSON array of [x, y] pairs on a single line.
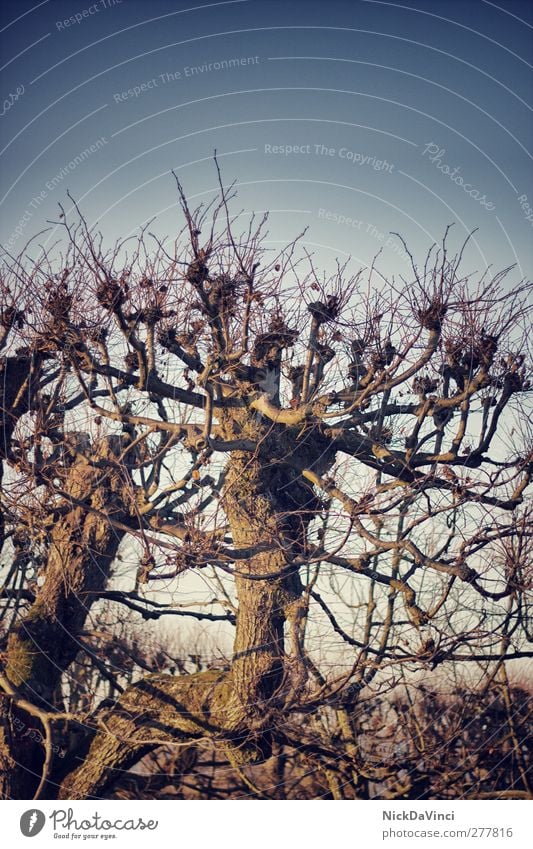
[[353, 119]]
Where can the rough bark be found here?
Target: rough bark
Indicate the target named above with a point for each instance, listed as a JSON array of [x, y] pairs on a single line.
[[19, 756], [269, 507], [255, 498], [17, 387], [16, 390], [158, 709], [44, 642]]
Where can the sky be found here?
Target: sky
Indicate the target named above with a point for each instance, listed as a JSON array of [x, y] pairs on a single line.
[[354, 119]]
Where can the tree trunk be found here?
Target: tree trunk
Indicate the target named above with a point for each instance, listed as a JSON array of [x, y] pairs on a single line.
[[254, 499], [159, 709], [83, 545], [269, 507]]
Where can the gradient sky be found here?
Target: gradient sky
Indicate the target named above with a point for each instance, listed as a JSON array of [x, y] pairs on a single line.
[[363, 89]]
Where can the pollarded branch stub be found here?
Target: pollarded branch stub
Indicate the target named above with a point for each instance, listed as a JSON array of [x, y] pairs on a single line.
[[98, 335], [515, 376], [11, 317], [268, 346], [388, 352], [149, 316], [324, 312], [186, 340], [146, 566], [357, 371], [358, 347], [384, 355], [467, 573], [184, 343], [432, 316], [58, 302], [479, 351], [198, 272], [296, 375], [110, 294], [487, 346], [222, 295], [131, 361], [324, 352], [423, 384], [201, 443]]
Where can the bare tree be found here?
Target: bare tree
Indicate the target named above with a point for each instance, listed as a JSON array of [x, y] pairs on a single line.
[[333, 467]]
